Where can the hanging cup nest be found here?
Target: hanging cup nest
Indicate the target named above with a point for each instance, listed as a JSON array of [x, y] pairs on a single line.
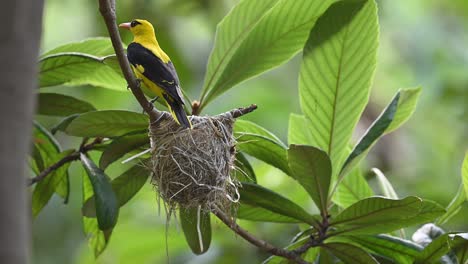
[[192, 167]]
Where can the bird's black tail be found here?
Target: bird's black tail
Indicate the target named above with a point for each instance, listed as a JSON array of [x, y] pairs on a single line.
[[177, 110]]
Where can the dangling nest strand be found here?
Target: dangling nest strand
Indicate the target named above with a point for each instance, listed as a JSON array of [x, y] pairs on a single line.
[[192, 167]]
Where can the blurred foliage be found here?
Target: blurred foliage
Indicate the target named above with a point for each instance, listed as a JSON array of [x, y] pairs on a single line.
[[421, 42]]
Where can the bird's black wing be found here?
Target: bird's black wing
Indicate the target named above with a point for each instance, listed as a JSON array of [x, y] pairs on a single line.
[[162, 74]]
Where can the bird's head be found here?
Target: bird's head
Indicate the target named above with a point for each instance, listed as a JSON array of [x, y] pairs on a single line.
[[139, 27]]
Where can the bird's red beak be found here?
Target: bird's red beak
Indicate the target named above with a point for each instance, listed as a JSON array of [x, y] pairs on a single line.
[[125, 25]]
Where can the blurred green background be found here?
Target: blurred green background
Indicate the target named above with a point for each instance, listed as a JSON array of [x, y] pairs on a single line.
[[422, 42]]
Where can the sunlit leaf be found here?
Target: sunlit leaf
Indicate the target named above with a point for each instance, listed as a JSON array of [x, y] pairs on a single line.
[[121, 146], [73, 69], [310, 255], [108, 123], [349, 253], [107, 205], [256, 196], [385, 185], [197, 229], [381, 215], [395, 114], [61, 105], [95, 46], [335, 77], [311, 167], [352, 189], [261, 144], [434, 251], [299, 130], [402, 251], [256, 36]]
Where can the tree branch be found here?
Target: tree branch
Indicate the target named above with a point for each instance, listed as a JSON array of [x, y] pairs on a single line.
[[69, 158], [107, 9], [256, 241], [242, 111]]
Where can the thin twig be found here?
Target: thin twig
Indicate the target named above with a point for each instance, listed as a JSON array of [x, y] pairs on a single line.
[[69, 158], [107, 9], [256, 241], [242, 111]]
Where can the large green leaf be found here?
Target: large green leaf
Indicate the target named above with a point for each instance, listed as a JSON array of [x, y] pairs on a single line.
[[395, 114], [74, 68], [256, 36], [311, 167], [402, 251], [46, 187], [99, 46], [124, 186], [349, 253], [97, 239], [299, 130], [381, 215], [261, 144], [352, 189], [335, 77], [63, 124], [121, 146], [197, 229], [61, 105], [108, 123], [256, 196], [255, 213], [107, 205], [459, 245]]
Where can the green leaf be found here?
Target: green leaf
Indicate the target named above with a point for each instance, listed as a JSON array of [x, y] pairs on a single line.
[[311, 167], [63, 124], [385, 186], [299, 130], [395, 114], [259, 214], [349, 253], [124, 186], [97, 239], [402, 251], [434, 251], [352, 189], [46, 188], [256, 196], [95, 46], [336, 73], [256, 36], [61, 105], [381, 215], [121, 146], [197, 229], [108, 123], [261, 144], [244, 171], [74, 68], [459, 245], [107, 205], [45, 152]]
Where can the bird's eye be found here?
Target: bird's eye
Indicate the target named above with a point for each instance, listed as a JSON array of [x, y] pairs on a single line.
[[134, 23]]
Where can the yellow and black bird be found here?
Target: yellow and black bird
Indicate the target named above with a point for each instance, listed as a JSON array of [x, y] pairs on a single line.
[[152, 65]]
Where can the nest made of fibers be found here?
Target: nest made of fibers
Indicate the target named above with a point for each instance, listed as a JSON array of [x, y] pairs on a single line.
[[192, 167]]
